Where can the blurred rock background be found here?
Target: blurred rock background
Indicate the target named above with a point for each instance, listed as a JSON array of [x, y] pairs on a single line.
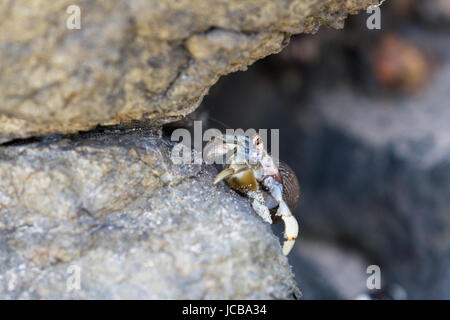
[[364, 121]]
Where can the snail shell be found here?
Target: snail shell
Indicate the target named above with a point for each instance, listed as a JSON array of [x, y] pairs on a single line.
[[291, 188]]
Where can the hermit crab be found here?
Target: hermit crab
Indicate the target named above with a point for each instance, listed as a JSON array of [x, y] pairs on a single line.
[[249, 169]]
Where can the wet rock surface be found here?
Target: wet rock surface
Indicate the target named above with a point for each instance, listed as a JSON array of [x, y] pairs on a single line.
[[135, 60], [113, 206]]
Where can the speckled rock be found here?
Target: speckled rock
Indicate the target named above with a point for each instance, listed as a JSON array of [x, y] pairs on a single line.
[[134, 60], [113, 206]]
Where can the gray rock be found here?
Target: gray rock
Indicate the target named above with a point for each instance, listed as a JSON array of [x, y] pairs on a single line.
[[113, 206], [135, 60]]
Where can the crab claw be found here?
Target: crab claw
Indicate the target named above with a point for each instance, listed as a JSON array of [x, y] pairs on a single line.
[[216, 149], [290, 223], [223, 175], [290, 227], [235, 148], [215, 155]]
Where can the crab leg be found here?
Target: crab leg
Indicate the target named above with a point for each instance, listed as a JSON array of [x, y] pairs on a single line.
[[223, 175], [228, 172], [259, 205], [213, 150], [227, 145], [291, 227], [290, 223]]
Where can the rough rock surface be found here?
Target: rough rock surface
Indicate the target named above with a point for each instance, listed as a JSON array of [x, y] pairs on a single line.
[[134, 60], [137, 225]]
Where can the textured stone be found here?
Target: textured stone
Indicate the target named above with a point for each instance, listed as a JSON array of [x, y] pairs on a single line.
[[135, 60], [113, 204]]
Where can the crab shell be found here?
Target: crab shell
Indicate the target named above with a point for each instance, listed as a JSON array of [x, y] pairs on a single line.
[[291, 188]]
